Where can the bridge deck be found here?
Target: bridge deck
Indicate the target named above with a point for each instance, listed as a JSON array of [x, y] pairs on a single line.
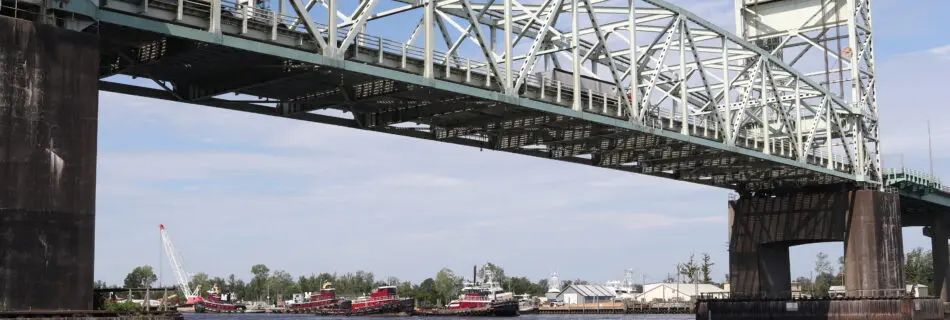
[[923, 196], [380, 82]]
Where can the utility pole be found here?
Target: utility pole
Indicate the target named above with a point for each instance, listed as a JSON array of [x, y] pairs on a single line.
[[930, 149]]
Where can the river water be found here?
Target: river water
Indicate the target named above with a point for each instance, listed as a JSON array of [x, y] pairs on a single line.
[[271, 316]]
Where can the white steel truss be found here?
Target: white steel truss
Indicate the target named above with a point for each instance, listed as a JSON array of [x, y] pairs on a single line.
[[648, 62], [687, 70], [831, 42]]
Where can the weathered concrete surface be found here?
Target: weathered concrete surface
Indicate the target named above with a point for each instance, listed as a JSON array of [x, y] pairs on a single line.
[[48, 123], [874, 247], [762, 230], [937, 232], [884, 309]]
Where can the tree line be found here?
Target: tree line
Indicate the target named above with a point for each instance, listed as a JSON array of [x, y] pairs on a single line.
[[268, 285]]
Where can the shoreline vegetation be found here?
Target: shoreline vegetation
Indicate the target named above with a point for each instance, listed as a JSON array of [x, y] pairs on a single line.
[[271, 286]]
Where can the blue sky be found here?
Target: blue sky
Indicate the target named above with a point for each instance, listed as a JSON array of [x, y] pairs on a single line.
[[238, 189]]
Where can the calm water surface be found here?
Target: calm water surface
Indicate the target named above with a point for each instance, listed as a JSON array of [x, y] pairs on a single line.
[[267, 316]]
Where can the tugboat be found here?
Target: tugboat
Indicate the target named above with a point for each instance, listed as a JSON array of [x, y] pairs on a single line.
[[219, 303], [319, 301], [383, 301], [528, 304], [478, 300]]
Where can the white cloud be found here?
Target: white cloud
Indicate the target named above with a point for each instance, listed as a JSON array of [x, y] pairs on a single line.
[[942, 52]]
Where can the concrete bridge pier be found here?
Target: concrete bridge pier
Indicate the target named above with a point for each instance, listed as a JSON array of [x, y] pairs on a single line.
[[874, 245], [937, 231], [48, 125], [762, 228]]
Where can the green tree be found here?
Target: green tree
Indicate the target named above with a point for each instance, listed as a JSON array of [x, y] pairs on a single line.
[[99, 284], [236, 286], [823, 275], [426, 293], [446, 284], [323, 278], [918, 267], [705, 268], [542, 287], [498, 273], [405, 289], [258, 285], [689, 270], [140, 277], [281, 284], [520, 285], [200, 282]]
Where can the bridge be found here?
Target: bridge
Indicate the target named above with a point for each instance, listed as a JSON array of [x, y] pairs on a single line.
[[783, 111]]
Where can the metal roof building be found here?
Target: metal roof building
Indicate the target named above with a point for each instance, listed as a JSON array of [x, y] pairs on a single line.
[[578, 294]]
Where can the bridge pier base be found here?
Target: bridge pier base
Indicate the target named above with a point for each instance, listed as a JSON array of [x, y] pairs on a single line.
[[874, 245], [48, 126], [763, 228], [937, 231]]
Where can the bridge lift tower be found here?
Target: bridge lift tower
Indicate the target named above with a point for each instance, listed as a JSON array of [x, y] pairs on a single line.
[[830, 41]]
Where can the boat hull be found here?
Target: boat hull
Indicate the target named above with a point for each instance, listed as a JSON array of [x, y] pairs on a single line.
[[218, 307], [338, 307], [395, 308], [495, 309]]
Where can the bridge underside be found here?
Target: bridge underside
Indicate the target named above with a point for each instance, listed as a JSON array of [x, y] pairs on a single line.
[[196, 72]]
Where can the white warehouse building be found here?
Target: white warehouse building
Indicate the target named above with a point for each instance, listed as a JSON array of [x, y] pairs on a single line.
[[580, 294], [666, 292]]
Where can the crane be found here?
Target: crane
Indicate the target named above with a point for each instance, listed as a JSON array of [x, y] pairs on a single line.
[[180, 275]]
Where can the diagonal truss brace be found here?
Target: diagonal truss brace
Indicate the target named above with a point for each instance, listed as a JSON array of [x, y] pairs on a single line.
[[493, 64], [528, 66], [308, 23]]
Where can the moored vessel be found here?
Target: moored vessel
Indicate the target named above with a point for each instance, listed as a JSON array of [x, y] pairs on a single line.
[[384, 301], [217, 302], [319, 301], [478, 300]]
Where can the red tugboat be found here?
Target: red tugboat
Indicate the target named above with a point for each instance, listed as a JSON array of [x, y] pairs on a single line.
[[321, 301], [382, 301], [478, 300], [220, 303]]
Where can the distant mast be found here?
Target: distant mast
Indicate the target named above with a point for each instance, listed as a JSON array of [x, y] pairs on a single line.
[[628, 278], [554, 285]]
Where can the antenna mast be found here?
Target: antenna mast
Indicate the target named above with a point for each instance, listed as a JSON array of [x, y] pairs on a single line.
[[930, 148]]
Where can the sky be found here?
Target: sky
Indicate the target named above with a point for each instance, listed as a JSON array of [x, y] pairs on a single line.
[[239, 189]]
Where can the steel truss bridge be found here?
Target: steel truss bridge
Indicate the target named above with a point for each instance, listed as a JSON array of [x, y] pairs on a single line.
[[636, 85]]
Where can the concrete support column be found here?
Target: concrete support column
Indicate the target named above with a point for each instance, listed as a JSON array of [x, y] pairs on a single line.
[[775, 275], [48, 123], [761, 230], [874, 249], [941, 257]]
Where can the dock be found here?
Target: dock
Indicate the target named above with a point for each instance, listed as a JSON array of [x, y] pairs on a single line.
[[92, 314], [618, 308], [899, 308]]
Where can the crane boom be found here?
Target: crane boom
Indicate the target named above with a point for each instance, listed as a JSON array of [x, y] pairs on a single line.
[[175, 262]]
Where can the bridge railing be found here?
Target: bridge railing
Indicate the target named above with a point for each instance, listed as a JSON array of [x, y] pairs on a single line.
[[452, 67], [914, 176]]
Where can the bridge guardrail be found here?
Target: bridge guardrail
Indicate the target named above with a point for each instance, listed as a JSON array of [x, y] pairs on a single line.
[[916, 177]]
